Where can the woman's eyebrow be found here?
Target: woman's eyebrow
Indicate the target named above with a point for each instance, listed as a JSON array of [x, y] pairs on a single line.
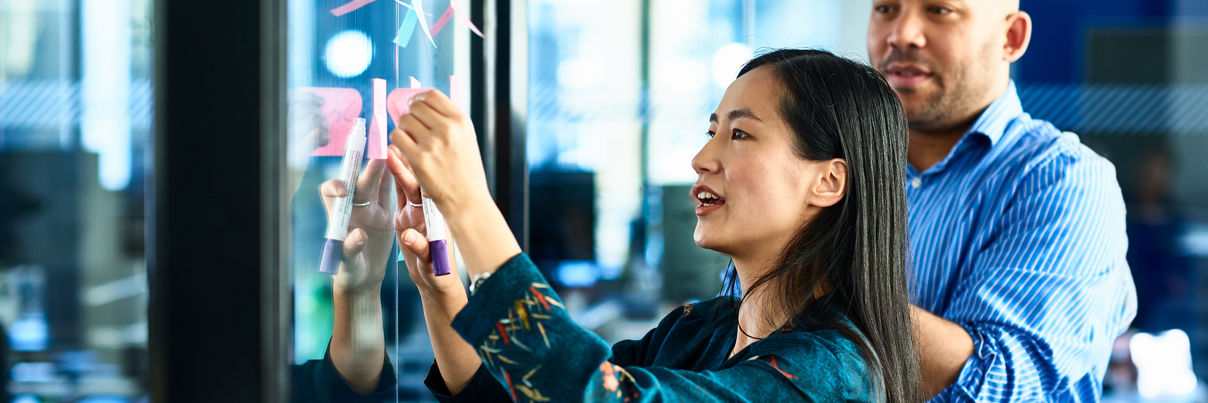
[[736, 114]]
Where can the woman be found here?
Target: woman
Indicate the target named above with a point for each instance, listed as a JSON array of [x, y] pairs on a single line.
[[800, 183]]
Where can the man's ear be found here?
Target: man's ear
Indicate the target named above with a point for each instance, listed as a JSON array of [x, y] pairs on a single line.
[[1019, 35], [831, 183]]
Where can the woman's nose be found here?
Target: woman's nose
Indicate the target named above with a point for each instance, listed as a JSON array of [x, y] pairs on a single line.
[[706, 159]]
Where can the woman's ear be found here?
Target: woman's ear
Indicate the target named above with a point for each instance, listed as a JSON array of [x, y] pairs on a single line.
[[831, 183]]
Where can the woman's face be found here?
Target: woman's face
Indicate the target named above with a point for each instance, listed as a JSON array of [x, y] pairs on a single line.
[[752, 193]]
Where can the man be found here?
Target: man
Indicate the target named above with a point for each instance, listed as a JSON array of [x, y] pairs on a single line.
[[1017, 229]]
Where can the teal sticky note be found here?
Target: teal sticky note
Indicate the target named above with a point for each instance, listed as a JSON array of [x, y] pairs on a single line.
[[407, 29]]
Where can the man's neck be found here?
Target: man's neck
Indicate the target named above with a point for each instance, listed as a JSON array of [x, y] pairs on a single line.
[[927, 149]]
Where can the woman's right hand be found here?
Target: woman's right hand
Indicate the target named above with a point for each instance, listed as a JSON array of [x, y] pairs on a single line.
[[410, 227]]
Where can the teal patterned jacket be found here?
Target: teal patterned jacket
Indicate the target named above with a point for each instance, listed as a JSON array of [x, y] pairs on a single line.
[[532, 351]]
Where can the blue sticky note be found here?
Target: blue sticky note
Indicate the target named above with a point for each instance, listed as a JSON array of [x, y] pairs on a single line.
[[407, 29]]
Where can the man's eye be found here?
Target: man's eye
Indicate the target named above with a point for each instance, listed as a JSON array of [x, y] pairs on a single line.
[[739, 135], [940, 10], [710, 133], [882, 9]]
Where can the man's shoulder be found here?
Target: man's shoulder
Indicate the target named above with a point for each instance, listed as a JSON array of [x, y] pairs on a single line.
[[1034, 144]]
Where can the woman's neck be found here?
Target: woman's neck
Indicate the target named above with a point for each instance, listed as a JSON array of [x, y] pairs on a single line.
[[760, 313]]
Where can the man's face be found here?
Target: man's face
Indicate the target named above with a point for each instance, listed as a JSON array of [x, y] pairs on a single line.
[[940, 56]]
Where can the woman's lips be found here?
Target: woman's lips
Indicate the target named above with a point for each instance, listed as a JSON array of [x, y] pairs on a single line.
[[702, 209]]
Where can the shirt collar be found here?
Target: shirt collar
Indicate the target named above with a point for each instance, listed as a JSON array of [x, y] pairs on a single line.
[[993, 121]]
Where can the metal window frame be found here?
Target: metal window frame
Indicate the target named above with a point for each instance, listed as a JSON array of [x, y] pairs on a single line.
[[499, 106], [219, 302]]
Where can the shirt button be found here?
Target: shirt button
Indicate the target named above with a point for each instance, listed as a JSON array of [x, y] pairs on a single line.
[[916, 182]]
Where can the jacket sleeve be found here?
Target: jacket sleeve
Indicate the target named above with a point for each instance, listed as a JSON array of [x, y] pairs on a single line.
[[532, 348]]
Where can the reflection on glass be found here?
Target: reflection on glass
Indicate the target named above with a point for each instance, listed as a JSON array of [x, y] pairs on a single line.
[[352, 60], [75, 113]]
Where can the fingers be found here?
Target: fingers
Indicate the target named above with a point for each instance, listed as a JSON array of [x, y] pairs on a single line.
[[406, 185], [369, 182], [426, 114], [415, 244], [438, 102], [331, 190], [354, 243], [383, 192], [411, 127]]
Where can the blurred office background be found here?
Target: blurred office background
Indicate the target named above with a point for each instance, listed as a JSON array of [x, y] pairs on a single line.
[[614, 103]]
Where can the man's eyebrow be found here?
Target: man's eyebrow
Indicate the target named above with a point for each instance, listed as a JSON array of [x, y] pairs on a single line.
[[736, 114]]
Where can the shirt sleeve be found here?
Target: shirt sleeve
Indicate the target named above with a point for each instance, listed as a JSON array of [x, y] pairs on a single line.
[[532, 348], [1049, 290], [318, 381]]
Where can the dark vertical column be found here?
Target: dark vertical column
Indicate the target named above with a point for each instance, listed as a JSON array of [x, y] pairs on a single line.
[[214, 257], [500, 102]]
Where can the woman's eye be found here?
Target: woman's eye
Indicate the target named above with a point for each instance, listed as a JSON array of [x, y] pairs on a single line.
[[940, 10], [739, 135], [710, 133]]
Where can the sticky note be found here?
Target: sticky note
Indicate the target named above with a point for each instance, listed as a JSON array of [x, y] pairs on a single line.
[[415, 15], [377, 125], [341, 107], [396, 103], [444, 19], [349, 7], [455, 93], [404, 31]]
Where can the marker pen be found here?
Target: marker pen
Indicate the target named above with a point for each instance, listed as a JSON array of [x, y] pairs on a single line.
[[337, 218], [438, 244]]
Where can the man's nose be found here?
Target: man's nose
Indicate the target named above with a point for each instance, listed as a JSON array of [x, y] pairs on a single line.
[[907, 32]]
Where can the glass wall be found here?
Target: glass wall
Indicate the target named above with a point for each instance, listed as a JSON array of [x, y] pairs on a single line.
[[75, 117], [349, 60]]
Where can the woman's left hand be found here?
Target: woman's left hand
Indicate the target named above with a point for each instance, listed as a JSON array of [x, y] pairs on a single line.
[[370, 231], [438, 141]]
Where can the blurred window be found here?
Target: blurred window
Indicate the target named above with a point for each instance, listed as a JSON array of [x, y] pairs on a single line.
[[75, 114]]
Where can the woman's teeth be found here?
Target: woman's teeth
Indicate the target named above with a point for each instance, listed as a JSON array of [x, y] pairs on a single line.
[[708, 198]]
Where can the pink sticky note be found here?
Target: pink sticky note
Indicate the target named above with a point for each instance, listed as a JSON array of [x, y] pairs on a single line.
[[396, 103], [377, 125], [465, 18], [341, 107], [349, 7], [444, 19], [455, 93]]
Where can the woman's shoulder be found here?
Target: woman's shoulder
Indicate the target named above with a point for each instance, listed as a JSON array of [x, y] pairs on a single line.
[[822, 363]]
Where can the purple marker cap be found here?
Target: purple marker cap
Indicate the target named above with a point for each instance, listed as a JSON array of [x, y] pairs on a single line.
[[439, 250], [332, 251]]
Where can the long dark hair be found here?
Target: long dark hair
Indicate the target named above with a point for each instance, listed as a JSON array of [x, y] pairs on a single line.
[[852, 253]]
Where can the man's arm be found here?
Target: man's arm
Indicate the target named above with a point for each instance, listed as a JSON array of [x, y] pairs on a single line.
[[1047, 291], [943, 349]]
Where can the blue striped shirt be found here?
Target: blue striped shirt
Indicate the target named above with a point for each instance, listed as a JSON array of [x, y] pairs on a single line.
[[1018, 236]]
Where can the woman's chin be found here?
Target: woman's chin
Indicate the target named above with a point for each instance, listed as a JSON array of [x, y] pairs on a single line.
[[708, 243]]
